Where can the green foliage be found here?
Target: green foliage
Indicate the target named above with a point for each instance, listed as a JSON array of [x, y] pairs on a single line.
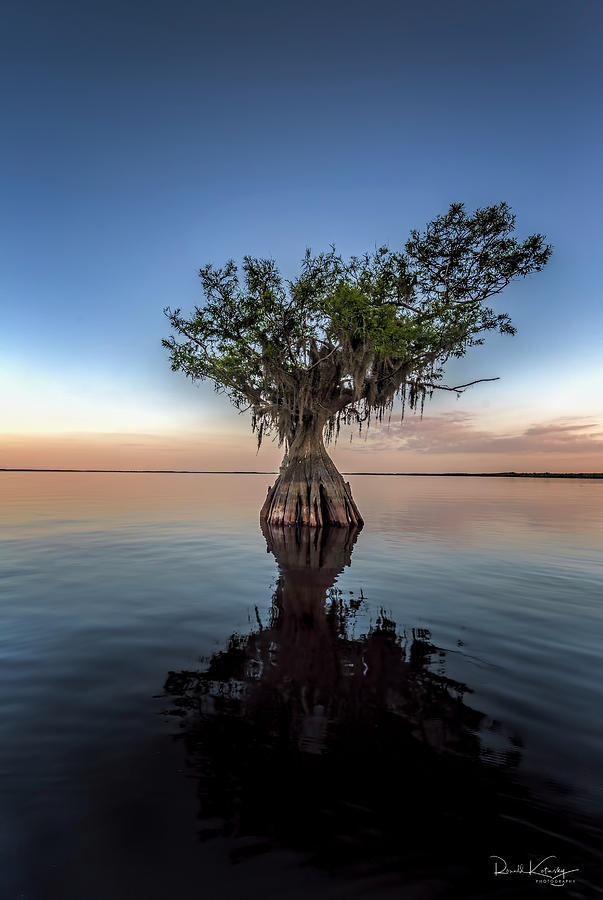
[[342, 339], [355, 317]]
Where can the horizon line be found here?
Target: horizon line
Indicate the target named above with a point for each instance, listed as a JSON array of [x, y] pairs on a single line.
[[252, 472]]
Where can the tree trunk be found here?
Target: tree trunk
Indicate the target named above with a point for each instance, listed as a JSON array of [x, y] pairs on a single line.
[[310, 490]]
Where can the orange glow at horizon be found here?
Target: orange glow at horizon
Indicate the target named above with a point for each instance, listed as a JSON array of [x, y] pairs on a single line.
[[445, 443]]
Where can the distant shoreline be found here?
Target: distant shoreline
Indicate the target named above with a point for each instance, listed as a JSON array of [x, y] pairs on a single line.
[[381, 474]]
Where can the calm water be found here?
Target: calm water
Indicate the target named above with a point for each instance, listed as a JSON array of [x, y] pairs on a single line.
[[186, 713]]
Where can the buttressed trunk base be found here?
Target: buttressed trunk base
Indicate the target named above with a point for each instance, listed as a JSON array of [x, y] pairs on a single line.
[[310, 490]]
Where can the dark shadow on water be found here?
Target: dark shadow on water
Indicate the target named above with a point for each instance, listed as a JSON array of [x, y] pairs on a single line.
[[353, 751]]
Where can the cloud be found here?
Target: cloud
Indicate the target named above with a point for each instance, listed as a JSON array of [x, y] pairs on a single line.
[[457, 433]]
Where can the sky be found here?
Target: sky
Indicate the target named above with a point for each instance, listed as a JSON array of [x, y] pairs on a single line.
[[143, 140]]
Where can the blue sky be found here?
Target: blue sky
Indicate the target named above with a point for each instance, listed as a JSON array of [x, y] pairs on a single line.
[[142, 140]]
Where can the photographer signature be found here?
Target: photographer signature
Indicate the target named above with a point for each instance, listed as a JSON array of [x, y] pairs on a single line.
[[544, 871]]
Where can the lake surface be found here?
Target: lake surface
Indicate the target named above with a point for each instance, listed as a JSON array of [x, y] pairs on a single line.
[[191, 708]]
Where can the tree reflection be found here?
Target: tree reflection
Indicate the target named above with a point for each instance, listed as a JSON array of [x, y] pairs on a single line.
[[347, 747]]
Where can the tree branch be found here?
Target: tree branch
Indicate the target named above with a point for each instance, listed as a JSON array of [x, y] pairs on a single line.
[[323, 358], [459, 388]]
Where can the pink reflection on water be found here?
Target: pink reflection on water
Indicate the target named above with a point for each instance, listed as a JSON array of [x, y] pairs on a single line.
[[479, 511]]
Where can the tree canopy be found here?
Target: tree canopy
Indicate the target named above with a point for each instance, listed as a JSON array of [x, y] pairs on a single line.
[[339, 342]]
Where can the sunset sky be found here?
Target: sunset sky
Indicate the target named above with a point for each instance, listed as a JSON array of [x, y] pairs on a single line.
[[142, 140]]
